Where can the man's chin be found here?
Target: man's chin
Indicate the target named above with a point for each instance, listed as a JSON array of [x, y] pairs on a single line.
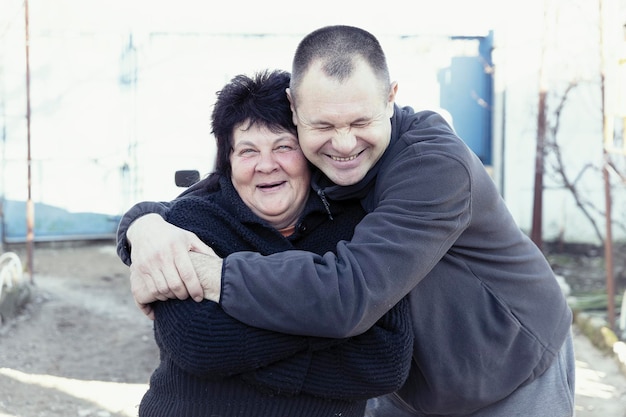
[[345, 179]]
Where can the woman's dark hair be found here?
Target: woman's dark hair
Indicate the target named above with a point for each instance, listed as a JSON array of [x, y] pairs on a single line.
[[260, 100]]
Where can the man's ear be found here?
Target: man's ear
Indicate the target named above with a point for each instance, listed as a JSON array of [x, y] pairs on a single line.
[[391, 97], [291, 104]]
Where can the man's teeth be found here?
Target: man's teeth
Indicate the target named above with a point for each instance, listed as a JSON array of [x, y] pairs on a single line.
[[340, 159]]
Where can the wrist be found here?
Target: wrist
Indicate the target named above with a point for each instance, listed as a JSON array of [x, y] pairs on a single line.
[[212, 294], [209, 271], [213, 287], [134, 229]]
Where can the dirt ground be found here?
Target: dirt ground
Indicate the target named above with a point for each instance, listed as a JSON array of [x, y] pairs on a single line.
[[81, 348]]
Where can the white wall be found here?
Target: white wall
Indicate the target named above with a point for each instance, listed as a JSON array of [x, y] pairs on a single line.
[[572, 56], [85, 125]]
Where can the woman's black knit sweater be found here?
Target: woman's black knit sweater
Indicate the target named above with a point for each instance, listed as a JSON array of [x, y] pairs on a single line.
[[213, 365]]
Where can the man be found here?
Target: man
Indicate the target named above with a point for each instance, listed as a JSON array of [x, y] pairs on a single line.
[[492, 328]]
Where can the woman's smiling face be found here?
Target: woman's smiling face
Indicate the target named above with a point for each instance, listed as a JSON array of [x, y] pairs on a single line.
[[270, 173]]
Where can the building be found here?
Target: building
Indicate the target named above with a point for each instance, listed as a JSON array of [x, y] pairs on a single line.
[[121, 95]]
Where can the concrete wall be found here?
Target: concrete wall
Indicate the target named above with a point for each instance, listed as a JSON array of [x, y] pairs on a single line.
[[570, 34], [114, 115]]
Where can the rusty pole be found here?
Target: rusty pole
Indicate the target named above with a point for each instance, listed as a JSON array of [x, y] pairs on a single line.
[[30, 210], [536, 231]]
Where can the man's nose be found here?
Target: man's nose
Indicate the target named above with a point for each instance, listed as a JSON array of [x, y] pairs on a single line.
[[344, 141]]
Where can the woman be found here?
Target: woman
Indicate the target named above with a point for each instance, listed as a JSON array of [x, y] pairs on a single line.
[[258, 199]]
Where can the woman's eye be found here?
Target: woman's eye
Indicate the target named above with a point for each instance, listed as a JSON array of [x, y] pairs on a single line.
[[284, 148], [247, 152]]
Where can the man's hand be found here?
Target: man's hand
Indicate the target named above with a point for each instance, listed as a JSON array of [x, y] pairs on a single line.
[[161, 266], [209, 271]]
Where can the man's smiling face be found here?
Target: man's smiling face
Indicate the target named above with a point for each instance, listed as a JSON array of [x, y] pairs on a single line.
[[343, 127]]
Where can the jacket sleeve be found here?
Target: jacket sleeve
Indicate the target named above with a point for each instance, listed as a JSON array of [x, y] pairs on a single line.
[[374, 363], [203, 340], [146, 207]]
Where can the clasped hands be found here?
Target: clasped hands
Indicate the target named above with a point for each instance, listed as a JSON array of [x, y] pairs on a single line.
[[175, 264]]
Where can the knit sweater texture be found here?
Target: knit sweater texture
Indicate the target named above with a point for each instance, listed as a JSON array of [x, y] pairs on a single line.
[[214, 365]]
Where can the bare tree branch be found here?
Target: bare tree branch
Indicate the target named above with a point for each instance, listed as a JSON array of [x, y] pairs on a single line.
[[553, 146]]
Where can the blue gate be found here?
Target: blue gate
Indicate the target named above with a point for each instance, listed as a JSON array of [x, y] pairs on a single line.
[[466, 91]]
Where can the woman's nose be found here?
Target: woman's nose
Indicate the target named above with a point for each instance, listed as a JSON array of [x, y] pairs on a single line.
[[266, 162]]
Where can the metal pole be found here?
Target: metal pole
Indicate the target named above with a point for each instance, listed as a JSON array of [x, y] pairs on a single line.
[[536, 231], [3, 163], [607, 138], [30, 210]]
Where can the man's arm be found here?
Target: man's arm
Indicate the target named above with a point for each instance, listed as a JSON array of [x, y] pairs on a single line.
[[414, 224], [393, 248]]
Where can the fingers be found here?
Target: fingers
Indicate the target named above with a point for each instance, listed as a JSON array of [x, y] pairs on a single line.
[[161, 267], [189, 278], [169, 280], [143, 289], [188, 271], [199, 246], [147, 310]]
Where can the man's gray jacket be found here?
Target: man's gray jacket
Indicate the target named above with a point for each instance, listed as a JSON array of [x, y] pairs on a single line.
[[487, 311]]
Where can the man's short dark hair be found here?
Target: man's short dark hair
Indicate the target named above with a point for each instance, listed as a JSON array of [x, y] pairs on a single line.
[[338, 47]]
